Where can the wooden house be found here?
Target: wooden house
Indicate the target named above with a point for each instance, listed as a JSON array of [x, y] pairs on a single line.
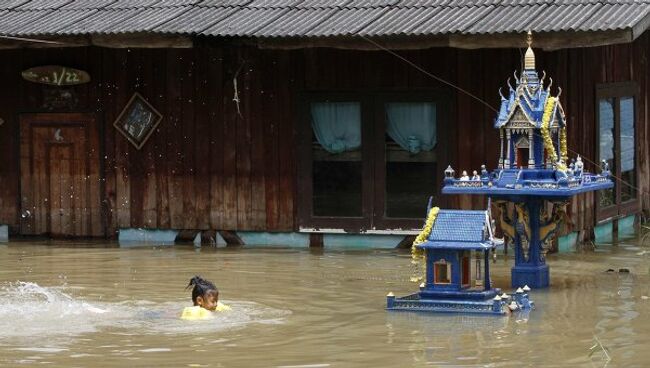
[[297, 116]]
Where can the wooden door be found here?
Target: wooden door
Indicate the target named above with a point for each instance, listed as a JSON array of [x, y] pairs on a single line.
[[60, 181], [465, 271]]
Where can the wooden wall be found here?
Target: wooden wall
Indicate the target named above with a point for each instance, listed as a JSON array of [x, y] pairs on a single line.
[[207, 166], [212, 166]]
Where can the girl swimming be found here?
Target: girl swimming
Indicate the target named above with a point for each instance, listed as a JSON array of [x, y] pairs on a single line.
[[205, 297]]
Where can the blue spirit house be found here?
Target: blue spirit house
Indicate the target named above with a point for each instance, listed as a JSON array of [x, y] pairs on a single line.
[[533, 183], [457, 267]]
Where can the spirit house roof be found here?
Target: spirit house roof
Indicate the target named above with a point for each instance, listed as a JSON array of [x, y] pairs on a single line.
[[456, 229], [524, 107]]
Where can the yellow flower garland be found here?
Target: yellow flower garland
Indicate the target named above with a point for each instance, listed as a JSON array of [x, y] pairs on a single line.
[[546, 136], [417, 254], [564, 149]]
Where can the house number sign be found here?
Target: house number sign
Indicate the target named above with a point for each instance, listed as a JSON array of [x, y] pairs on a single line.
[[56, 75]]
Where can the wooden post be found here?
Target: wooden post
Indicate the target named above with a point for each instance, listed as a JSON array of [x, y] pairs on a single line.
[[406, 243], [316, 240], [231, 238]]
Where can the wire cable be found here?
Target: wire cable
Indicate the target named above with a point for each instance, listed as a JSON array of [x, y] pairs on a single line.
[[422, 70]]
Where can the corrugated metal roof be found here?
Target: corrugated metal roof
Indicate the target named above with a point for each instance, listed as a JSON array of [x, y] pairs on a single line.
[[99, 21], [506, 19], [613, 16], [224, 2], [563, 17], [43, 4], [273, 3], [295, 22], [451, 20], [14, 22], [147, 19], [124, 4], [320, 18], [345, 22], [323, 3], [69, 17], [399, 21], [195, 20], [88, 4], [11, 4], [244, 22]]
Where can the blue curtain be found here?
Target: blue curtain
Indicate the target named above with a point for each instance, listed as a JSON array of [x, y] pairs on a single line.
[[337, 125], [412, 125]]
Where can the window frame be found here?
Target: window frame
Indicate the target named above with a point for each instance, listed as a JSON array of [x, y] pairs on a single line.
[[442, 102], [616, 91], [442, 263], [306, 218], [373, 127]]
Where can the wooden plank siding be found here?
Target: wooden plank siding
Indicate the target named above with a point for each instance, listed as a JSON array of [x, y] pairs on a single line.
[[209, 165]]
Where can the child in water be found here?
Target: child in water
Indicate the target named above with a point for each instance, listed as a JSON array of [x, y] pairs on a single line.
[[205, 297]]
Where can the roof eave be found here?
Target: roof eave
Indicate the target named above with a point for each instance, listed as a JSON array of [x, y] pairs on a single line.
[[547, 40]]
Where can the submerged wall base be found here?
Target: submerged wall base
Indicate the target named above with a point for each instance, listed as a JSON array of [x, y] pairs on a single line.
[[146, 237]]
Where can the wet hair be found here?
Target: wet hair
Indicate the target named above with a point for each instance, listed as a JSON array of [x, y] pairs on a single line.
[[201, 287]]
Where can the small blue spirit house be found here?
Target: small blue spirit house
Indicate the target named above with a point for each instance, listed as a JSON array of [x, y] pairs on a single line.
[[457, 268]]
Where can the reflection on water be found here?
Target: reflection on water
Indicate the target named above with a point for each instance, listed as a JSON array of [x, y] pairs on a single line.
[[83, 305]]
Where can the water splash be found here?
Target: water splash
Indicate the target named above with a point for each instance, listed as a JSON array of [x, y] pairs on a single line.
[[28, 310]]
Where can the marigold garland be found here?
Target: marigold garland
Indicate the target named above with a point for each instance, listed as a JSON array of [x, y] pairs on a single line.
[[546, 136], [564, 148], [417, 254]]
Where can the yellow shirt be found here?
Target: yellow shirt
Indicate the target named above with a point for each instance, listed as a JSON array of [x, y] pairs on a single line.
[[196, 312]]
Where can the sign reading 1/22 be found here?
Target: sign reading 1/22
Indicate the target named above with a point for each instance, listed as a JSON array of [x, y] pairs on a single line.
[[56, 75]]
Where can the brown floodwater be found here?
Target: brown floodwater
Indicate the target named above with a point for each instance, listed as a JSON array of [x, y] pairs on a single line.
[[82, 305]]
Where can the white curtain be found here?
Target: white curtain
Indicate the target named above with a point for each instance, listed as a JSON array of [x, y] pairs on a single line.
[[606, 122], [337, 125], [627, 134], [412, 125]]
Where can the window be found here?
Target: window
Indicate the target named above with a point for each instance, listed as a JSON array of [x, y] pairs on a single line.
[[369, 161], [441, 272], [617, 148], [411, 169], [336, 159]]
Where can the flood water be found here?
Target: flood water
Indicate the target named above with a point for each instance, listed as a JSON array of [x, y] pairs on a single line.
[[80, 305]]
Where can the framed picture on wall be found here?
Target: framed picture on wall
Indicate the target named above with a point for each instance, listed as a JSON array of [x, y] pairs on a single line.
[[138, 120]]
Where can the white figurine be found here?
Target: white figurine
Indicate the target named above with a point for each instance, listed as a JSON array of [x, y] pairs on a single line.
[[464, 176], [579, 166], [475, 175]]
